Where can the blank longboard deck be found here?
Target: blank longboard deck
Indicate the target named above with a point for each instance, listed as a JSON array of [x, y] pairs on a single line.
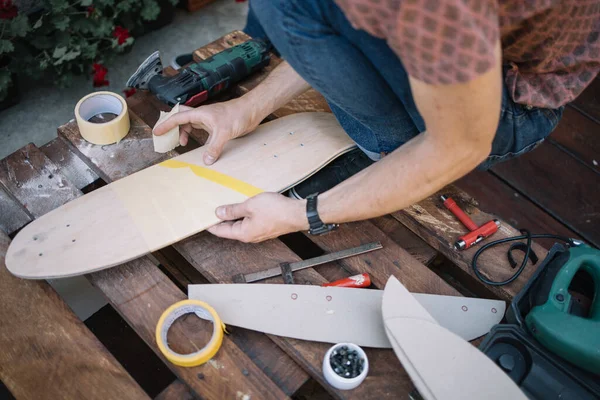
[[170, 201]]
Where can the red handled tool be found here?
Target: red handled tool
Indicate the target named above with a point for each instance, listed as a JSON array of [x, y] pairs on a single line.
[[356, 281], [477, 234]]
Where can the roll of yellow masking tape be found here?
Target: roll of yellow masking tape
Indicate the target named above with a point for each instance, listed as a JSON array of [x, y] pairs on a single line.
[[102, 117], [203, 311]]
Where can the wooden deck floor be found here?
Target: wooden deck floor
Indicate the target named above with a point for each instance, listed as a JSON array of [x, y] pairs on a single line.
[[556, 187]]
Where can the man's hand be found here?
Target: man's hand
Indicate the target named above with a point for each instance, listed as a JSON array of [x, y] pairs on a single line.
[[265, 216], [237, 117], [222, 121]]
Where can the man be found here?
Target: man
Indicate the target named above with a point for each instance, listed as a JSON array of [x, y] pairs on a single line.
[[429, 89]]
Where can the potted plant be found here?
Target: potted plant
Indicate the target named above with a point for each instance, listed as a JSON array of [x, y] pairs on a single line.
[[63, 38], [12, 27]]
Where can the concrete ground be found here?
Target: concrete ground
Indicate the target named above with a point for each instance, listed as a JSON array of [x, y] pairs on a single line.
[[43, 109]]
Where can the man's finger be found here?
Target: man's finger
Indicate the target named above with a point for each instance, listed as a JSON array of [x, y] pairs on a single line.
[[228, 230], [214, 148], [181, 118], [183, 137], [232, 212]]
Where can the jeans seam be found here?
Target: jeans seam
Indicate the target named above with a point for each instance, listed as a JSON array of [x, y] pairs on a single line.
[[284, 4], [511, 154], [551, 115]]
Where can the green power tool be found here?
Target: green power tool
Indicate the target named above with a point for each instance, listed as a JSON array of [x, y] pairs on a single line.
[[203, 80], [558, 320]]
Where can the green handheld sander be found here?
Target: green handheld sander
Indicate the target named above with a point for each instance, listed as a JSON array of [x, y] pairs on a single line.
[[557, 319], [203, 80]]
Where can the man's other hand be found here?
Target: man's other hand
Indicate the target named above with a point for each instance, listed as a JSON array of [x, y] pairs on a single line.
[[262, 217]]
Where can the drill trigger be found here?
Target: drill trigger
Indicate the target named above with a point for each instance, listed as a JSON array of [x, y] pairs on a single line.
[[197, 99]]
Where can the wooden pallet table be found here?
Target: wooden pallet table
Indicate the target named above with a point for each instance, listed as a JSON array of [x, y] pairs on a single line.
[[42, 334]]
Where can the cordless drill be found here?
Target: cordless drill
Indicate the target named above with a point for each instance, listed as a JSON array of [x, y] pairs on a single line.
[[205, 79]]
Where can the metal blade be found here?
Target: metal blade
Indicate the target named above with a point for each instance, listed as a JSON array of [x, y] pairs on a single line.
[[151, 67], [334, 315], [311, 262]]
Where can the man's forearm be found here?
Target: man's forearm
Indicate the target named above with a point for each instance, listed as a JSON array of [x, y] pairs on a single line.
[[281, 86], [414, 171]]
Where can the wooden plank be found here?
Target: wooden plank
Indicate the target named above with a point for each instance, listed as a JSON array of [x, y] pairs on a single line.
[[589, 100], [74, 169], [439, 228], [405, 238], [140, 293], [133, 153], [35, 181], [577, 134], [493, 194], [278, 366], [261, 350], [559, 184], [176, 391], [14, 216], [146, 106], [143, 287], [381, 264], [45, 348], [220, 259]]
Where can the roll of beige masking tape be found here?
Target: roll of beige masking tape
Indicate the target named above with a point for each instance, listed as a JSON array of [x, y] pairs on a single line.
[[102, 117]]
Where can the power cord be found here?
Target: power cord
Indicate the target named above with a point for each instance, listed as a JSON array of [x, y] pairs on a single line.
[[525, 247]]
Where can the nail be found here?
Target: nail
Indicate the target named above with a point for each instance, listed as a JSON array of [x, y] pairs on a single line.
[[208, 159], [221, 212]]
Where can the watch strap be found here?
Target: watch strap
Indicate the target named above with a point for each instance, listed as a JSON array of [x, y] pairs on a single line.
[[316, 226]]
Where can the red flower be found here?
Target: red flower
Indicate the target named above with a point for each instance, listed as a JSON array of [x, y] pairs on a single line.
[[90, 11], [100, 75], [121, 34], [129, 92], [7, 9]]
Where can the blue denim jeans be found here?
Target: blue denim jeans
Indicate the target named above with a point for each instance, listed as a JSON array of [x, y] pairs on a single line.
[[366, 85]]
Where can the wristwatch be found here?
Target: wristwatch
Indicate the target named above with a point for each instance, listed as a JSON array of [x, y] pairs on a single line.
[[316, 226]]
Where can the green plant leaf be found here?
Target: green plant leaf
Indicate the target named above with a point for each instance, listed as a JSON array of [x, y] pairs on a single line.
[[58, 6], [71, 55], [126, 5], [19, 26], [105, 28], [86, 3], [84, 25], [59, 52], [68, 56], [89, 50], [43, 42], [150, 10], [6, 46], [62, 22], [38, 24]]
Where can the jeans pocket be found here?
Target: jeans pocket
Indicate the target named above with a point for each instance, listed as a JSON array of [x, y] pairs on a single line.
[[553, 115]]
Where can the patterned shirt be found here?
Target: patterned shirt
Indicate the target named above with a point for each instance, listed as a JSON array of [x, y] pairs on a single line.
[[550, 48]]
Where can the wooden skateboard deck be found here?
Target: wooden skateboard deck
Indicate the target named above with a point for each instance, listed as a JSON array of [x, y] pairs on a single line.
[[172, 200]]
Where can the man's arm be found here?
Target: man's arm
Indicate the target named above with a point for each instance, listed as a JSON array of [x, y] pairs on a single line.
[[281, 86], [461, 121]]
